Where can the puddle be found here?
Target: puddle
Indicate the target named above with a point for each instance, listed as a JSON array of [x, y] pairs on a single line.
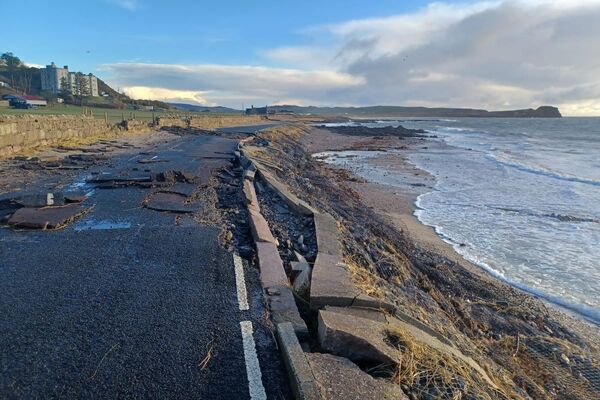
[[83, 186], [93, 224]]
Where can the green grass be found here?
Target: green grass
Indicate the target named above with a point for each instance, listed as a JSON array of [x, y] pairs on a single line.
[[112, 114]]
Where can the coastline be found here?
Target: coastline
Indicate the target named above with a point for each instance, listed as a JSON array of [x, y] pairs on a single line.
[[529, 349], [399, 204]]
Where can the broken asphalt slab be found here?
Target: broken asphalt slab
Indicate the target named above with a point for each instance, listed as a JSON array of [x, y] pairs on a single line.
[[46, 217], [170, 202]]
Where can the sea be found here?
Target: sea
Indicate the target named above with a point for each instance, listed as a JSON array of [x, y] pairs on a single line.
[[518, 197]]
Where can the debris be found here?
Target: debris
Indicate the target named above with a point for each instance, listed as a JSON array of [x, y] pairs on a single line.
[[46, 217], [170, 202]]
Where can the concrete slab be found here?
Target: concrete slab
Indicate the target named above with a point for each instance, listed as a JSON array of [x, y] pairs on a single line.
[[249, 174], [260, 227], [250, 193], [364, 336], [280, 298], [272, 272], [300, 374], [326, 231], [298, 205], [331, 284], [340, 379], [302, 282], [358, 339]]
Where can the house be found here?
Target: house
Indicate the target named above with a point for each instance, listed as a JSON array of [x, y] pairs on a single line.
[[26, 101]]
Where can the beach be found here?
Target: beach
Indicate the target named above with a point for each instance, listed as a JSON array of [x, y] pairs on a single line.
[[501, 326]]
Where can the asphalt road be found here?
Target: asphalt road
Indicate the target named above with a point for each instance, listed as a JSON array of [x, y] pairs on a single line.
[[125, 303]]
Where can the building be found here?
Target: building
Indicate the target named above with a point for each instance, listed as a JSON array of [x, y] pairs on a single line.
[[26, 101], [257, 110], [56, 80], [81, 84], [53, 78]]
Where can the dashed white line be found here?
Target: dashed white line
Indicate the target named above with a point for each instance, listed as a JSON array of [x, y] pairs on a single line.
[[240, 283], [257, 390]]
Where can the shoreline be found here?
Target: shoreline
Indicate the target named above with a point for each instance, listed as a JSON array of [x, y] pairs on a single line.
[[400, 203]]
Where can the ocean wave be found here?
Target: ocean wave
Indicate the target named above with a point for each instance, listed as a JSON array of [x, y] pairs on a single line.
[[589, 313], [539, 170]]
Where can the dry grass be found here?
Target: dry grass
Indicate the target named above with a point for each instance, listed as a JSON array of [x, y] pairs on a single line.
[[209, 354], [429, 371], [366, 281]]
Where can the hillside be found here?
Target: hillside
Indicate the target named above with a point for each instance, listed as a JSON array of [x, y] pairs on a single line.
[[23, 79], [405, 112], [196, 108]]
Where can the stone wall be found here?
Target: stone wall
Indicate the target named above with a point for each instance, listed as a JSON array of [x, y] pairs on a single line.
[[21, 132], [136, 125], [209, 121]]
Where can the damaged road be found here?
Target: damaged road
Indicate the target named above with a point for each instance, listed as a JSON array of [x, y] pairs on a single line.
[[111, 287]]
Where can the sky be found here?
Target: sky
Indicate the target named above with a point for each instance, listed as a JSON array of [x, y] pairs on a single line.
[[500, 54]]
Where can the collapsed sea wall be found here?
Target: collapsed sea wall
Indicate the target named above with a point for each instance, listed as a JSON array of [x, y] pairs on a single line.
[[209, 121]]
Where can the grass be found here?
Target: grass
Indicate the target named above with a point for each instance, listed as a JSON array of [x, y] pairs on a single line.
[[113, 115]]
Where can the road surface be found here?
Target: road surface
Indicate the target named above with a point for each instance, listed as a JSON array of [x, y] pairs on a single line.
[[129, 302]]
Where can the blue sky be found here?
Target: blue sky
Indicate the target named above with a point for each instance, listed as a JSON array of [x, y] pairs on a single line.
[[496, 54], [181, 32]]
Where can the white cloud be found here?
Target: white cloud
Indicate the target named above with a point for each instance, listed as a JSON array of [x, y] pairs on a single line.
[[488, 54], [169, 95], [33, 65], [234, 84]]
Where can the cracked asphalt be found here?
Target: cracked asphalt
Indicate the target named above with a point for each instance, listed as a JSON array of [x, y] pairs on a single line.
[[125, 303]]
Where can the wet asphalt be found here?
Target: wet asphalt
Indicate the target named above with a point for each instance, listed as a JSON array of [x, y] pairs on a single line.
[[125, 303]]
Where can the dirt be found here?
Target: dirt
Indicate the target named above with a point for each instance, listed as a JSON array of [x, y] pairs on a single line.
[[516, 337]]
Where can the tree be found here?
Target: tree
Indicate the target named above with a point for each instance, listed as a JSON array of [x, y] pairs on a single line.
[[12, 62], [84, 87], [65, 88]]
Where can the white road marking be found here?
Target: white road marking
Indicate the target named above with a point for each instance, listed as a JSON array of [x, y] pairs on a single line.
[[240, 283], [257, 390]]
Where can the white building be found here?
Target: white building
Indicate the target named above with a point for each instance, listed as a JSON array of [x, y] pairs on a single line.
[[52, 76], [56, 80]]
